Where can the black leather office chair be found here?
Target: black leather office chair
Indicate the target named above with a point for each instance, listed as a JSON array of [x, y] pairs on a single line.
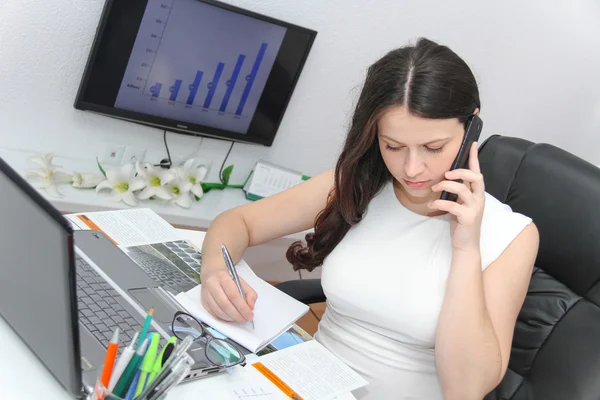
[[556, 347]]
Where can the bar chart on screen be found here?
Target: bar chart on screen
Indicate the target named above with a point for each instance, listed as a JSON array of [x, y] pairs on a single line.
[[173, 94], [199, 63]]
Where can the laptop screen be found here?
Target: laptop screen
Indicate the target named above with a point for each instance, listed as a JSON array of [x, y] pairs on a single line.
[[36, 280]]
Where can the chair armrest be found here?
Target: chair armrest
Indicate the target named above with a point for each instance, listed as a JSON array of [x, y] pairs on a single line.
[[307, 291]]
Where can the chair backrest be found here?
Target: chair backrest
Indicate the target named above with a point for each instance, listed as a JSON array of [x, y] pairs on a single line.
[[556, 346]]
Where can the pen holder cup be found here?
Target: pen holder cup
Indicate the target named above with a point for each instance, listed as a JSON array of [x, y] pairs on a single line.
[[102, 393]]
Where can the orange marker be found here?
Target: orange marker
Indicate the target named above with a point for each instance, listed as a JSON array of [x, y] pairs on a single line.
[[109, 360]]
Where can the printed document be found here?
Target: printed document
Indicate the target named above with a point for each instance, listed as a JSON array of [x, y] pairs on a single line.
[[310, 371], [126, 228]]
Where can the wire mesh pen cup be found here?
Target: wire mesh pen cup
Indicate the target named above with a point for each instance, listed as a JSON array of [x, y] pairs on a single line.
[[101, 392]]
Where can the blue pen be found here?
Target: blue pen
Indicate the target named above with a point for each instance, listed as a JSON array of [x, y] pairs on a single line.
[[131, 392]]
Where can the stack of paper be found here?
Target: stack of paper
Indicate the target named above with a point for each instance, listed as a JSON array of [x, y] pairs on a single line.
[[274, 312], [307, 371]]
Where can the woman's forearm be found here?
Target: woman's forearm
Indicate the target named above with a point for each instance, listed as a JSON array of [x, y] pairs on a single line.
[[228, 228], [467, 351]]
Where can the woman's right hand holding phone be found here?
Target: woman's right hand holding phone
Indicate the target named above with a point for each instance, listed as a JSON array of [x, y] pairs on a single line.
[[221, 298]]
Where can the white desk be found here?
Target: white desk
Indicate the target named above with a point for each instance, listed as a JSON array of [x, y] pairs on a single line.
[[21, 372], [23, 377]]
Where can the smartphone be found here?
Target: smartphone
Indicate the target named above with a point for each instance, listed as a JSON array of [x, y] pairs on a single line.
[[473, 129]]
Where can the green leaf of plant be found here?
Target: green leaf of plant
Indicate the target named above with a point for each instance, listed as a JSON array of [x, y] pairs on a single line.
[[206, 187], [100, 167], [226, 174]]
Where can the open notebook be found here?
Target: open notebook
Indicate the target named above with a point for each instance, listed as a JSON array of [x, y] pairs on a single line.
[[274, 312]]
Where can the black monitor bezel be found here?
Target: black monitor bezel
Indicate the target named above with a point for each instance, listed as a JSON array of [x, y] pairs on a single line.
[[262, 130]]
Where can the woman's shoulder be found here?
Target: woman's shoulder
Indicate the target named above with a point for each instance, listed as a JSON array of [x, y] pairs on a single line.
[[499, 227], [496, 208]]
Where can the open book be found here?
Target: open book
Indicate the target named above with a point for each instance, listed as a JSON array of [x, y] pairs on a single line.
[[125, 228], [274, 312], [307, 371]]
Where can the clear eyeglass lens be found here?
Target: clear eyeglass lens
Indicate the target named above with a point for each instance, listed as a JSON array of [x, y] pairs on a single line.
[[222, 353], [184, 326]]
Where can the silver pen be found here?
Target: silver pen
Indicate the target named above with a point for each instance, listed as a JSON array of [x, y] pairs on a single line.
[[233, 273]]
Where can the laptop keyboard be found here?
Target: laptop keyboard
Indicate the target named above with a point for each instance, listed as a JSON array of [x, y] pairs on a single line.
[[176, 264], [99, 308]]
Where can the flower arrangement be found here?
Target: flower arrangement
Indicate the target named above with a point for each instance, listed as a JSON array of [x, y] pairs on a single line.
[[131, 183]]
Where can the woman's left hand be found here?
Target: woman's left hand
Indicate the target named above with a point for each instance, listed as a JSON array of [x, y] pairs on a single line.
[[467, 211]]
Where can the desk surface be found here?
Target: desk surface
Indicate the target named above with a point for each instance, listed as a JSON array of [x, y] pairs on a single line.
[[19, 367], [199, 215], [20, 370]]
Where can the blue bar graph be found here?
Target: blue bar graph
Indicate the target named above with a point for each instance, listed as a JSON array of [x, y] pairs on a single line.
[[212, 86], [250, 78], [175, 90], [155, 90], [231, 82], [194, 88]]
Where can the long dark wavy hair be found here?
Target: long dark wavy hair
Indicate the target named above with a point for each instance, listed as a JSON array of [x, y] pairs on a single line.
[[427, 78]]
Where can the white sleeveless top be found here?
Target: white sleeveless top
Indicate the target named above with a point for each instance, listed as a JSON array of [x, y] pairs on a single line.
[[385, 284]]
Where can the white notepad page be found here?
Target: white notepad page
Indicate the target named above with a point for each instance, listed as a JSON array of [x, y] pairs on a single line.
[[274, 312]]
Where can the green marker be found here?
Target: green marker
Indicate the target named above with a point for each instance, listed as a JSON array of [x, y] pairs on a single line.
[[146, 326], [130, 371], [159, 360], [147, 363]]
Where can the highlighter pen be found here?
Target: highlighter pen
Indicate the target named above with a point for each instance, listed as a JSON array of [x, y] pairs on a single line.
[[178, 357], [145, 327], [173, 379], [159, 360], [168, 351], [109, 360], [130, 371], [148, 362], [180, 362], [122, 363]]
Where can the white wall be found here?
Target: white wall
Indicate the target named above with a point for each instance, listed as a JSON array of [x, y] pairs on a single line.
[[538, 64]]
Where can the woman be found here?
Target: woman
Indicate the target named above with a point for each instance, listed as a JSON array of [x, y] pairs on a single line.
[[423, 294]]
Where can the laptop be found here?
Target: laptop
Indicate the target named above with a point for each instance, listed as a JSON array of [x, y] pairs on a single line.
[[65, 291], [174, 265]]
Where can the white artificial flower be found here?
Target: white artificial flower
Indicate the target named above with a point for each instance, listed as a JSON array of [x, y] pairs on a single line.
[[156, 181], [86, 181], [47, 176], [195, 175], [46, 161], [123, 183], [179, 188]]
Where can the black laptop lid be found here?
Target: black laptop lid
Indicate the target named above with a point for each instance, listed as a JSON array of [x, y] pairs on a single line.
[[37, 281]]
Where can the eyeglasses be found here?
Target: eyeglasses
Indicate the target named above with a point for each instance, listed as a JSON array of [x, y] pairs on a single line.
[[219, 352]]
